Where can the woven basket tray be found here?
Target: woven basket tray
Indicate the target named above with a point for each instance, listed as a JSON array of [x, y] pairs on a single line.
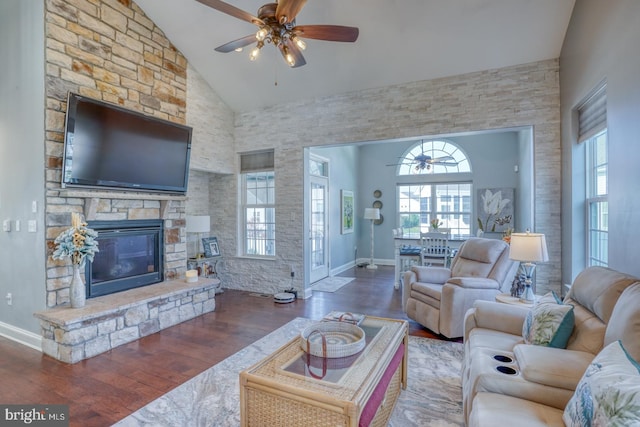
[[332, 339]]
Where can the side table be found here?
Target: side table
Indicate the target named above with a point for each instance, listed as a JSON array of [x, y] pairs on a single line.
[[508, 299]]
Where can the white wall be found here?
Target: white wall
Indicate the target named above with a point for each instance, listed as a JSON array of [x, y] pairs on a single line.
[[22, 254], [602, 43]]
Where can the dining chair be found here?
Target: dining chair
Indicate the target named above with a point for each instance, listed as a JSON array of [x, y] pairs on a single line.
[[435, 248]]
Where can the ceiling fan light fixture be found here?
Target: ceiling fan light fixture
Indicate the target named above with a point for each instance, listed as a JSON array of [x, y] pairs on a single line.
[[291, 60], [262, 34], [255, 52], [299, 42]]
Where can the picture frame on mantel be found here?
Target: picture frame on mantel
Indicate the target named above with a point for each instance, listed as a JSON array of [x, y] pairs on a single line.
[[211, 248], [346, 211]]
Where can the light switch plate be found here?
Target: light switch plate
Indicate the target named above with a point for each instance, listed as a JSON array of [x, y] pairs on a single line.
[[17, 225], [6, 225], [32, 226]]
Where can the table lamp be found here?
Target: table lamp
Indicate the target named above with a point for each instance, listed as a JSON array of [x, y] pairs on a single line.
[[372, 214], [528, 248], [198, 224]]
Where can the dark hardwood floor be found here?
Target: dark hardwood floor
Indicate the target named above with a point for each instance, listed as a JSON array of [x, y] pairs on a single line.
[[106, 388]]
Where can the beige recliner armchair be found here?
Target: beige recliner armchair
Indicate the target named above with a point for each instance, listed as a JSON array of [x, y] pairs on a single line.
[[438, 297]]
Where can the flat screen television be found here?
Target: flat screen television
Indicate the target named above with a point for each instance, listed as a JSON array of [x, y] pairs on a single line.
[[106, 146]]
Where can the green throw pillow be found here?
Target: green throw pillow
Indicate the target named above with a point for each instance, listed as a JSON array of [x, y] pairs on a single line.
[[549, 322], [608, 393]]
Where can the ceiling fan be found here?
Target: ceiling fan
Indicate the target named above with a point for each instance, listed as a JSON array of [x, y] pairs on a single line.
[[423, 161], [276, 24]]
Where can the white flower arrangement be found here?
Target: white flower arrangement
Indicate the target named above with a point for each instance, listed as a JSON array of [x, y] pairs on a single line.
[[77, 242]]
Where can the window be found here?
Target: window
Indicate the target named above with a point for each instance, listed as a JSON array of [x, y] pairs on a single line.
[[258, 204], [433, 157], [592, 131], [597, 203], [449, 202]]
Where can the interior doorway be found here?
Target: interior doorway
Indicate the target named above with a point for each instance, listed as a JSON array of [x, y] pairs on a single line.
[[318, 219]]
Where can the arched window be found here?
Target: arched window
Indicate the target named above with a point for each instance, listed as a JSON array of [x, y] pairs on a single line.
[[433, 157]]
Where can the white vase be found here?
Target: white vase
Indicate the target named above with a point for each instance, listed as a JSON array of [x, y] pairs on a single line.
[[77, 292]]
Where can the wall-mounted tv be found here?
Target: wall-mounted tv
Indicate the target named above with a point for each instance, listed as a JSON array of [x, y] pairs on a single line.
[[106, 146]]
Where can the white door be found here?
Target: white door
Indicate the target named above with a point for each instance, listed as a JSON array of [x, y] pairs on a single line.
[[318, 235]]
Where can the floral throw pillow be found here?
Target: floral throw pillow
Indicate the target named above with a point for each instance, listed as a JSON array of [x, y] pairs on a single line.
[[608, 393], [549, 322]]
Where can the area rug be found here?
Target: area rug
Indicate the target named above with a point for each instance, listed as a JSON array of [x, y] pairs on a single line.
[[331, 284], [433, 396]]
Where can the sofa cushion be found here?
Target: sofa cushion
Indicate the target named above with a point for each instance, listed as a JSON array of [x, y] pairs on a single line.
[[493, 409], [477, 257], [598, 289], [556, 367], [548, 323], [609, 391], [624, 323]]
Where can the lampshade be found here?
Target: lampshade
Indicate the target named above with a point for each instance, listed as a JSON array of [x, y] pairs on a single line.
[[371, 213], [528, 247], [198, 223]]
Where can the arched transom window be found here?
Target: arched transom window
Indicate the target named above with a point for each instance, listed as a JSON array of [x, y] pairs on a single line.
[[433, 157]]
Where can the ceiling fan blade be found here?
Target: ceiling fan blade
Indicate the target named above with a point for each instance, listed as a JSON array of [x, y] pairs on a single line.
[[287, 10], [233, 11], [236, 44], [441, 159], [332, 33], [400, 164], [446, 164], [285, 47]]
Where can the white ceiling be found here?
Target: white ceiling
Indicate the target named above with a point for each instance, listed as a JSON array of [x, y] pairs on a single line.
[[400, 41]]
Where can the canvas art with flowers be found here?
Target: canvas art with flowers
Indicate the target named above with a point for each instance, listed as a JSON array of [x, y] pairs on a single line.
[[495, 209]]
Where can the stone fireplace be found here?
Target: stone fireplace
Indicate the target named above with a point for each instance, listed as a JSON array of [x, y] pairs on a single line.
[[111, 51], [119, 316]]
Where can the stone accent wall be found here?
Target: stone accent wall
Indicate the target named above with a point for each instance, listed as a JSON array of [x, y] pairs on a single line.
[[212, 122], [522, 95], [108, 50]]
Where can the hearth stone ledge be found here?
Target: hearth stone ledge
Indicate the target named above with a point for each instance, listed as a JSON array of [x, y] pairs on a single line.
[[74, 334]]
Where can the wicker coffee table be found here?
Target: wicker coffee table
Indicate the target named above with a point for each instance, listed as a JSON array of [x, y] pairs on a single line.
[[291, 388]]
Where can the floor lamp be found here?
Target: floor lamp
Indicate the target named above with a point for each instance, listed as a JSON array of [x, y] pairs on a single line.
[[198, 224], [528, 248], [372, 214]]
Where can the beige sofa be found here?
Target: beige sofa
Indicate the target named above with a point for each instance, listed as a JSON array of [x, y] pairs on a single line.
[[606, 308], [438, 297]]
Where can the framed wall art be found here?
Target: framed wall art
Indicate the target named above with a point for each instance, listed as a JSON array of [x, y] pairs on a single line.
[[211, 248], [495, 209], [346, 211]]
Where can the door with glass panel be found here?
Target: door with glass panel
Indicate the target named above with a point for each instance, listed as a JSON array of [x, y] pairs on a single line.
[[318, 233]]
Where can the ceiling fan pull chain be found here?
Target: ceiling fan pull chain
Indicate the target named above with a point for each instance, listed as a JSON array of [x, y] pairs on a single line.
[[275, 73]]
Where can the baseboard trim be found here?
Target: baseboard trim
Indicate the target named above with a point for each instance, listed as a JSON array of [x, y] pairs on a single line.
[[21, 336], [376, 261], [342, 268]]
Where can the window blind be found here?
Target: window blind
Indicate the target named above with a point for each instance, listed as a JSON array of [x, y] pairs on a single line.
[[592, 115], [256, 162]]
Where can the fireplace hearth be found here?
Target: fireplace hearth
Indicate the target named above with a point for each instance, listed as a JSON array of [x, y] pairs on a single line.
[[131, 255]]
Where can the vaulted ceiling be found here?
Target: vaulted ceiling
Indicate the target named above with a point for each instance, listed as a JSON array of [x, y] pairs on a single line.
[[400, 41]]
